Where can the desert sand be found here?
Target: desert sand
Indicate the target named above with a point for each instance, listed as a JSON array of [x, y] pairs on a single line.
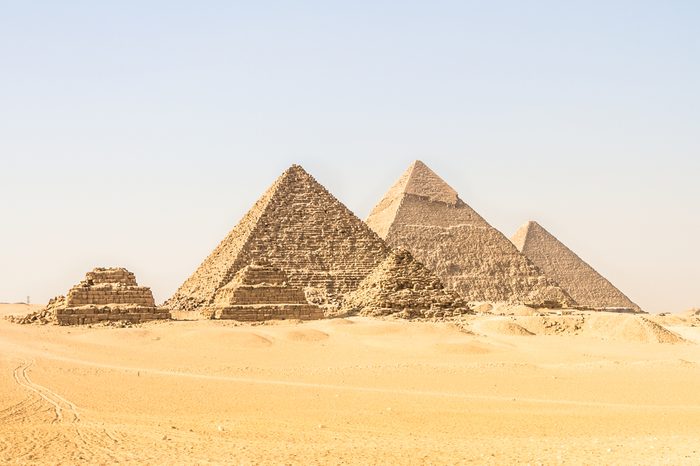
[[494, 389]]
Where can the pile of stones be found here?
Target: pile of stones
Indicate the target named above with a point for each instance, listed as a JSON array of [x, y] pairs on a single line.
[[403, 287]]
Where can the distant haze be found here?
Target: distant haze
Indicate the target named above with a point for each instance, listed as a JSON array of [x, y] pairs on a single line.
[[138, 136]]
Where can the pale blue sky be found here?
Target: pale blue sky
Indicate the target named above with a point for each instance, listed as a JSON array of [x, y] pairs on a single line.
[[136, 134]]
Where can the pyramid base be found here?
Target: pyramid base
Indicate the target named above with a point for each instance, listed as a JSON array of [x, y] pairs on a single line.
[[94, 314], [413, 312], [618, 310], [261, 312]]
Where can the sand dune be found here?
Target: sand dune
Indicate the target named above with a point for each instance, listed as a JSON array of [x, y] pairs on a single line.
[[598, 325], [354, 390], [502, 326]]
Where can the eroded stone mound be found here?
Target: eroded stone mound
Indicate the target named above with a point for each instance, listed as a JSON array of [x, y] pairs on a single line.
[[43, 316], [262, 292], [403, 287], [106, 294], [426, 216]]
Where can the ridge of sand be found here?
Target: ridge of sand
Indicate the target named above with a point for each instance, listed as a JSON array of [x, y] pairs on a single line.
[[600, 325]]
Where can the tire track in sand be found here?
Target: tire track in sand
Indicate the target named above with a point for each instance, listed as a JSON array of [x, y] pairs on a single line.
[[89, 445], [57, 402]]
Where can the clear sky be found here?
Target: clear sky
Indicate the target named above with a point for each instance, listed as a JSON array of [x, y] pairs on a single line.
[[137, 133]]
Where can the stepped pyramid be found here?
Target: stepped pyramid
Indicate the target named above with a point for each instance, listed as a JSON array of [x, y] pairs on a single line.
[[106, 294], [425, 215], [296, 226], [260, 292], [402, 286], [580, 280]]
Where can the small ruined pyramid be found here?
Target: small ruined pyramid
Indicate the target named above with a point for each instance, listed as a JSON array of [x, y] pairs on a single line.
[[403, 287], [300, 228], [106, 294], [261, 292], [426, 216], [580, 280]]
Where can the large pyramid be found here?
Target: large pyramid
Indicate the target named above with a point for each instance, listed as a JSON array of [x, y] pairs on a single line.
[[425, 215], [579, 279], [298, 227]]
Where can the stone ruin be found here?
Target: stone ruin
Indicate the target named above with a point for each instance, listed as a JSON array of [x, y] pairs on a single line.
[[296, 226], [262, 292], [106, 294], [426, 216], [583, 283], [402, 287]]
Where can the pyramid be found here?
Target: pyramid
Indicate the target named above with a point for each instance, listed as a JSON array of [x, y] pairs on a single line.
[[425, 215], [106, 294], [260, 292], [580, 280], [296, 226], [402, 286]]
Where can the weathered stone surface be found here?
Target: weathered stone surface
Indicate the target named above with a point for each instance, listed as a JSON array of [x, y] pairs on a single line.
[[261, 292], [259, 284], [426, 216], [260, 312], [403, 287], [107, 294], [580, 280], [296, 226], [109, 286]]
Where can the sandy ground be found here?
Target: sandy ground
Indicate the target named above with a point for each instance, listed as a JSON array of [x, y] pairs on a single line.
[[357, 390]]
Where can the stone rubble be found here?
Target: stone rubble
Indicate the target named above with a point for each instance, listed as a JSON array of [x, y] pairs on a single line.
[[41, 317], [402, 287]]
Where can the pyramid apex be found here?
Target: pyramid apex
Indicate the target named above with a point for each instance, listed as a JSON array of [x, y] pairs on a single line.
[[420, 180], [295, 167], [531, 224], [520, 236], [295, 171]]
